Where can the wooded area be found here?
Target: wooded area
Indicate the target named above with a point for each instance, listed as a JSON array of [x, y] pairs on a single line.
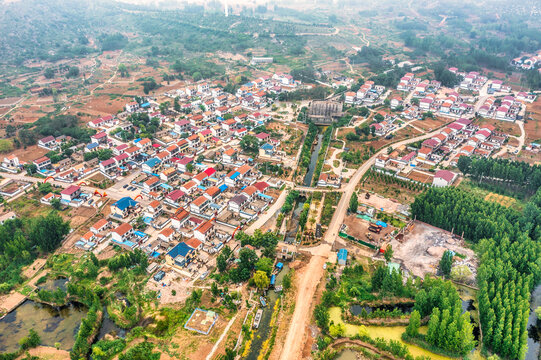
[[509, 248]]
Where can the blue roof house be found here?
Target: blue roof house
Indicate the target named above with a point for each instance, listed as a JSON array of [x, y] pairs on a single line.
[[151, 165], [180, 255], [342, 256], [123, 207]]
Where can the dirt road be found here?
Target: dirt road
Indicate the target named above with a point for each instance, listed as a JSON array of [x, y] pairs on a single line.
[[312, 274]]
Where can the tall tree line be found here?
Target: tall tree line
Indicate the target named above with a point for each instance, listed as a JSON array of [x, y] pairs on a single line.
[[448, 328], [509, 251], [515, 175]]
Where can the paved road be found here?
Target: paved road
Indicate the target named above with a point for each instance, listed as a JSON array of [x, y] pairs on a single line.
[[312, 274]]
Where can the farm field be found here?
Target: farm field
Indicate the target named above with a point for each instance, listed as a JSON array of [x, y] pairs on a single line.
[[500, 199], [532, 125], [431, 124]]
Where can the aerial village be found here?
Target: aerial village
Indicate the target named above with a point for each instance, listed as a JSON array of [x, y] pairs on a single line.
[[186, 191], [220, 164]]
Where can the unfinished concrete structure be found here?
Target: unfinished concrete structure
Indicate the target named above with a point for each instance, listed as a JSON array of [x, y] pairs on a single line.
[[324, 112]]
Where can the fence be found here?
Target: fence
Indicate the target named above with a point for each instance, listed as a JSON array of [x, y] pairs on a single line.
[[349, 237]]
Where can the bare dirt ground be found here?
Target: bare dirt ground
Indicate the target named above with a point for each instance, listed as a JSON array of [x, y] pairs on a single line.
[[100, 105], [532, 127], [402, 195], [30, 153], [358, 228], [10, 301], [431, 124], [380, 202], [422, 248], [33, 268], [172, 281], [9, 101], [47, 353], [80, 215]]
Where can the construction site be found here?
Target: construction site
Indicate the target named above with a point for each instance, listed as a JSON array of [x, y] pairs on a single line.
[[420, 246]]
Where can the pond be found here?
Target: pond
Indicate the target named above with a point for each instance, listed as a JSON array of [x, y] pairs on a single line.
[[385, 332], [348, 354], [52, 285], [54, 325], [404, 308], [109, 327], [313, 161]]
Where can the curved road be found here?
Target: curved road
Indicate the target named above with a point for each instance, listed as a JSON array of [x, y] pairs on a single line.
[[312, 274]]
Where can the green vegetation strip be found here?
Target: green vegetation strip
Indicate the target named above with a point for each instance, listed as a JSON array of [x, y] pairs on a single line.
[[508, 245]]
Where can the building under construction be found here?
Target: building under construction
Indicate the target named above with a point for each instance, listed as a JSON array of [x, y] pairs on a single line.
[[324, 112]]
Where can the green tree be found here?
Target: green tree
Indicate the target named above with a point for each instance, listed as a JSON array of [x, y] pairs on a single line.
[[321, 315], [30, 341], [56, 204], [72, 72], [337, 330], [264, 264], [141, 351], [45, 188], [249, 143], [48, 73], [123, 70], [432, 334], [446, 262], [261, 280], [388, 255], [49, 231], [221, 263], [414, 324], [353, 203]]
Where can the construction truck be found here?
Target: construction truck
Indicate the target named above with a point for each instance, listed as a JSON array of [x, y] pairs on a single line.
[[369, 236], [375, 228]]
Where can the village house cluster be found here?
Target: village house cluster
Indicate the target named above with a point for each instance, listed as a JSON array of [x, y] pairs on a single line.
[[189, 188], [528, 62], [460, 138], [368, 94]]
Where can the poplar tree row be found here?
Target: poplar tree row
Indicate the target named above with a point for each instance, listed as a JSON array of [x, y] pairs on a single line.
[[510, 261]]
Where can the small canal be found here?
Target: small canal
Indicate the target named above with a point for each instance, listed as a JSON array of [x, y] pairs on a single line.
[[293, 223], [313, 161], [264, 330]]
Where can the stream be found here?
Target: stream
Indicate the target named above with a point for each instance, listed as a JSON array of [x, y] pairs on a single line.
[[264, 330], [313, 161], [293, 223]]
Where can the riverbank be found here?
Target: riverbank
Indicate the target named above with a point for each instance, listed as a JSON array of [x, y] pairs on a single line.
[[47, 353], [10, 302]]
